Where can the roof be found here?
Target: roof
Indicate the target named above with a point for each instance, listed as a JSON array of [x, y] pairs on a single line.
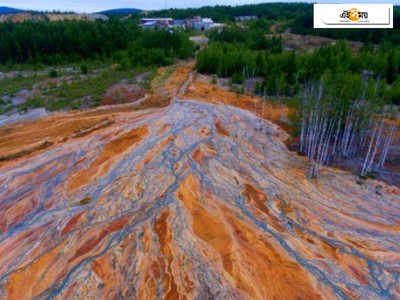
[[149, 23], [156, 19]]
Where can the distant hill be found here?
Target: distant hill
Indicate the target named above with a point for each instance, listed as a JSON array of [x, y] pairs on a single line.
[[9, 10], [121, 11]]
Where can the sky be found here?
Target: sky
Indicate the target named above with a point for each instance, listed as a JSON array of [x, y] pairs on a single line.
[[99, 5]]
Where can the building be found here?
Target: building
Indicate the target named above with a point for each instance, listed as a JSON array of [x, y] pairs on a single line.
[[196, 23], [152, 23], [245, 18], [189, 23], [203, 24], [218, 25], [199, 23], [179, 24], [148, 25]]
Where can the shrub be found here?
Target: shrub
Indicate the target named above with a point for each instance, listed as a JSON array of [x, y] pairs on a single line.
[[368, 176], [238, 78], [75, 105], [35, 102], [84, 69], [53, 73], [125, 64], [6, 108]]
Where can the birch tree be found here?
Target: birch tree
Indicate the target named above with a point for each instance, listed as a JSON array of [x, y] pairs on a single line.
[[338, 129]]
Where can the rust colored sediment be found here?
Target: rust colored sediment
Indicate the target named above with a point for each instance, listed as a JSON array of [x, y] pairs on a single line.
[[110, 150], [203, 91], [190, 201], [221, 129]]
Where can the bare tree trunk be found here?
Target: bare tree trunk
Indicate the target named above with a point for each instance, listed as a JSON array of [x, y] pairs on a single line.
[[364, 169], [329, 132], [387, 143], [377, 144]]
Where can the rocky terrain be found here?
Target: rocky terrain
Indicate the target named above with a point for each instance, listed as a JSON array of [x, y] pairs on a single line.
[[192, 200], [308, 43]]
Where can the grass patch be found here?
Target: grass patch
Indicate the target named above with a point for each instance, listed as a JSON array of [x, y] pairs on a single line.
[[33, 102], [94, 63], [75, 93], [159, 81], [10, 86], [5, 106], [368, 176], [88, 91]]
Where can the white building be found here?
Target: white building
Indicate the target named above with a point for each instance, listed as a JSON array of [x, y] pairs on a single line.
[[151, 23], [199, 23]]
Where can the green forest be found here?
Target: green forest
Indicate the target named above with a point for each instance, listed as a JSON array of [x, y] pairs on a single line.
[[221, 13], [242, 53], [62, 42]]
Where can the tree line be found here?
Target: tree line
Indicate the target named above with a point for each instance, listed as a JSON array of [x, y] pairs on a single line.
[[252, 37], [224, 13], [71, 41], [155, 48], [285, 72]]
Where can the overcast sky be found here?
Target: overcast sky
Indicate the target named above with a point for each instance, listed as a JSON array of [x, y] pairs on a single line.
[[99, 5]]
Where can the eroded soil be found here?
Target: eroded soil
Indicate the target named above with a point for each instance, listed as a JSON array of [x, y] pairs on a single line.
[[195, 199]]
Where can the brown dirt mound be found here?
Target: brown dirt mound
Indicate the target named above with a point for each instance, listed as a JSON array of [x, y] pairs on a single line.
[[122, 93]]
